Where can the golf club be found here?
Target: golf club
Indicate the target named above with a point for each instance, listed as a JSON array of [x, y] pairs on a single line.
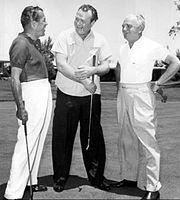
[[91, 101], [28, 158]]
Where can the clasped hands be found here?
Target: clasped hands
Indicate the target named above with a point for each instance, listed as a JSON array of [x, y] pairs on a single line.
[[83, 73]]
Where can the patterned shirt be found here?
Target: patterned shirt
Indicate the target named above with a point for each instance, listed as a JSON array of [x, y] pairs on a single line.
[[79, 52], [24, 53]]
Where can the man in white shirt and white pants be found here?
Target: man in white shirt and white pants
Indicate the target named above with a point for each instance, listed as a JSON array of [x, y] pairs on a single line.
[[136, 104]]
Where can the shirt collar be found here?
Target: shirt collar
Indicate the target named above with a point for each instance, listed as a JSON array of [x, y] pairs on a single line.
[[78, 39], [137, 43], [36, 43]]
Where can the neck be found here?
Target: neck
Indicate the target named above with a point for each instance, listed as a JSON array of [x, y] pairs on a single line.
[[83, 36], [131, 43], [31, 35]]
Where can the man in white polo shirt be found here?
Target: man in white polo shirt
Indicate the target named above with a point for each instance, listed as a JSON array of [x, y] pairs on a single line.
[[136, 104], [74, 50]]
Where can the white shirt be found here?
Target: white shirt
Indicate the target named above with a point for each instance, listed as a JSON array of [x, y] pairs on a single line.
[[137, 62], [79, 52]]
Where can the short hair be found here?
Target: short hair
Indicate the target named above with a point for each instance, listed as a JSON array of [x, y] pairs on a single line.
[[86, 8], [141, 20], [30, 13]]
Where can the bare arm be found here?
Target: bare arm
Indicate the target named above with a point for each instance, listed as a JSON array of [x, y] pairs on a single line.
[[102, 69], [17, 93], [173, 67], [64, 68], [117, 74], [85, 71]]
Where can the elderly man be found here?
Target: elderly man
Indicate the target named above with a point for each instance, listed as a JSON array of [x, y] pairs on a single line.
[[74, 50], [136, 104], [29, 82]]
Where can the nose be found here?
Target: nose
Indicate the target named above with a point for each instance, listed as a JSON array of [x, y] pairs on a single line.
[[124, 28], [79, 23]]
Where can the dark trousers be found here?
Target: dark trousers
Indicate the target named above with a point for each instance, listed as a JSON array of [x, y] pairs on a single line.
[[69, 111]]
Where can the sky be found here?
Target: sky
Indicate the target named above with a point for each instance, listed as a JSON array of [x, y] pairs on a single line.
[[160, 16]]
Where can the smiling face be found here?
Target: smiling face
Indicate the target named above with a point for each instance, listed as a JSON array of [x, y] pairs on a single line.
[[83, 23], [40, 25], [131, 29]]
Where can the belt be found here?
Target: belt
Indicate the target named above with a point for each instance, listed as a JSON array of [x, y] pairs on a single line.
[[135, 85]]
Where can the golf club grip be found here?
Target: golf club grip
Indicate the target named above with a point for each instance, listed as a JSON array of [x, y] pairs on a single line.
[[94, 60], [25, 126], [93, 64]]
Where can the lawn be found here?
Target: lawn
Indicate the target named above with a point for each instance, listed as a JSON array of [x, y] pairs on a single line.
[[108, 91], [77, 186]]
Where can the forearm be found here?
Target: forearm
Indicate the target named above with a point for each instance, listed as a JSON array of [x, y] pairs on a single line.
[[169, 73], [117, 74], [67, 71], [102, 69], [17, 93]]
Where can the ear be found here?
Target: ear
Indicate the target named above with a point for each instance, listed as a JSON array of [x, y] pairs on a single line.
[[33, 24], [139, 29], [92, 23]]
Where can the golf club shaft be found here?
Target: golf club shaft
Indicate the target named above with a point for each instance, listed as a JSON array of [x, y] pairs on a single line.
[[29, 166], [28, 159], [91, 102]]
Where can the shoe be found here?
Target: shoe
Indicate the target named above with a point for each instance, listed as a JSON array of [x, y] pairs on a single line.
[[124, 183], [37, 188], [102, 186], [59, 185], [151, 195]]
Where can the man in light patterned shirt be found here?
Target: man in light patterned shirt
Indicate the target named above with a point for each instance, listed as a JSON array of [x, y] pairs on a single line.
[[74, 50]]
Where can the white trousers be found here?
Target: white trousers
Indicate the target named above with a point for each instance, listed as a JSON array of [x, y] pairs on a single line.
[[38, 103], [138, 123]]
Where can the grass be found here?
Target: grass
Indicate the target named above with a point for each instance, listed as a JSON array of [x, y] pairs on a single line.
[[77, 186], [108, 91]]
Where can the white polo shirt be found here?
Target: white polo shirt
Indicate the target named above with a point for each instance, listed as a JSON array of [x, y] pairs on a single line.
[[79, 52], [137, 62]]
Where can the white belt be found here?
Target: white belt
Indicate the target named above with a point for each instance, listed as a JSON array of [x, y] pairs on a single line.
[[135, 85]]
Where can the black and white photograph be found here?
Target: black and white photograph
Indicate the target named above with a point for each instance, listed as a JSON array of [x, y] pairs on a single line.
[[89, 99]]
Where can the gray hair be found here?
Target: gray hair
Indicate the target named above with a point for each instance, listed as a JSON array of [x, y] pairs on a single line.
[[141, 21]]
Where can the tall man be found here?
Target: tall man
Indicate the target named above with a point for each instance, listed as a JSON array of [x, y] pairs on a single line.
[[74, 50], [29, 82], [136, 104]]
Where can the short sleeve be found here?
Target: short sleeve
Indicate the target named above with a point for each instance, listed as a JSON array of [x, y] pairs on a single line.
[[105, 50], [60, 44], [18, 53], [121, 49], [161, 52]]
